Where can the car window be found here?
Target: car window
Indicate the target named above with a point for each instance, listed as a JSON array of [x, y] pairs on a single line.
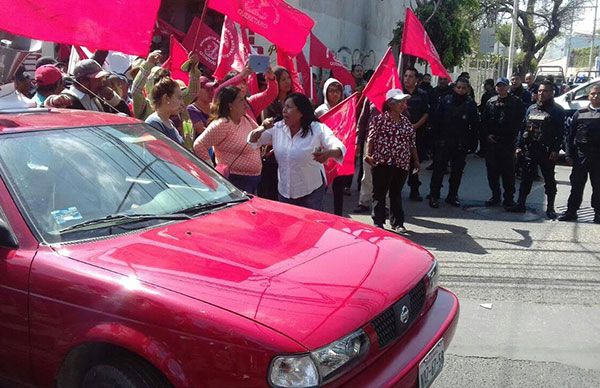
[[67, 176], [582, 94]]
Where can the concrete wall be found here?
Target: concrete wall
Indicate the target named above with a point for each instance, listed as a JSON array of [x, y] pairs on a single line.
[[357, 30]]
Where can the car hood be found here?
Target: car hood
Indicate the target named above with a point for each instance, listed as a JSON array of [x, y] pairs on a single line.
[[309, 275]]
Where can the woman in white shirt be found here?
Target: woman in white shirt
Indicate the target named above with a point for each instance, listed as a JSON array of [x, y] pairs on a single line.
[[301, 145]]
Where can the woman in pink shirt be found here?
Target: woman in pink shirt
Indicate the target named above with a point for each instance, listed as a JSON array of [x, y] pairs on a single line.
[[227, 131]]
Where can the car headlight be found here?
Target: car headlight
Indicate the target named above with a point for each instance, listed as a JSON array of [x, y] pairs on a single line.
[[319, 366], [433, 278]]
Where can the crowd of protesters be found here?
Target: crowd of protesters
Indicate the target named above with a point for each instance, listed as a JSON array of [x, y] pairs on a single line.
[[271, 143]]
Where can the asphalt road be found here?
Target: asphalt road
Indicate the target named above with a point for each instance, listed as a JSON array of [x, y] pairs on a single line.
[[538, 281]]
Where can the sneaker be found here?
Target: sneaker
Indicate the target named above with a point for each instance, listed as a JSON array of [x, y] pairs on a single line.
[[434, 202], [597, 218], [568, 216], [518, 208], [494, 201], [379, 226], [453, 201], [361, 209], [400, 229], [551, 213]]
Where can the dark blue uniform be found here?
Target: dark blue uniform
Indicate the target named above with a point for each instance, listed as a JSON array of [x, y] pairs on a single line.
[[583, 147], [455, 130]]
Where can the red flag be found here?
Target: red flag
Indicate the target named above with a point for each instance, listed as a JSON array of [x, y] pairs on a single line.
[[176, 58], [342, 121], [415, 41], [277, 21], [304, 70], [321, 56], [124, 26], [384, 78], [204, 41], [285, 60], [232, 53]]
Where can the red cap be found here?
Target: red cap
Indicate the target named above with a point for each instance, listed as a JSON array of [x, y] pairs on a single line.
[[47, 75]]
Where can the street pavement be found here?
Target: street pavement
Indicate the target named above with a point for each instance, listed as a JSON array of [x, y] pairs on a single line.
[[538, 281]]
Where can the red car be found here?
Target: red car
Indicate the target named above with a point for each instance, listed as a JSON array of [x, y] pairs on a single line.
[[127, 262]]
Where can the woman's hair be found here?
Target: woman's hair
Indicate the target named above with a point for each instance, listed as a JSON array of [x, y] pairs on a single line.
[[220, 106], [279, 70], [164, 86], [306, 110], [160, 74]]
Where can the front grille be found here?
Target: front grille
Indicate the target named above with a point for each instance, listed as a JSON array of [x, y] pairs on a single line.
[[389, 325]]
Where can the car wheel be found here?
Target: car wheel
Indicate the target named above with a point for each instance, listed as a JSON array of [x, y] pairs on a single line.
[[124, 372]]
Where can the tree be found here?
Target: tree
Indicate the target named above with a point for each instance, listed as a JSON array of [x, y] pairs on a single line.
[[448, 24], [539, 22]]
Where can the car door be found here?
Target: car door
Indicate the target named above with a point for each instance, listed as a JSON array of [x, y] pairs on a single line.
[[15, 262]]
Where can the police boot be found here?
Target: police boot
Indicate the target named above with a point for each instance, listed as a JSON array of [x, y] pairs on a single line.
[[519, 207], [550, 212]]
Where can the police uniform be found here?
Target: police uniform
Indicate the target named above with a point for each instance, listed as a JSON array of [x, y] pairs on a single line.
[[455, 130], [417, 106], [501, 118], [541, 135], [583, 147]]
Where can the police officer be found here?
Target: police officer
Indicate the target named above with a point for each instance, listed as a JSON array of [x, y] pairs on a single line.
[[583, 152], [418, 114], [539, 142], [501, 120], [517, 89], [455, 132]]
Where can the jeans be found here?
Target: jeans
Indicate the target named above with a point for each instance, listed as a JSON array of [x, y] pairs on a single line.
[[313, 200], [247, 183]]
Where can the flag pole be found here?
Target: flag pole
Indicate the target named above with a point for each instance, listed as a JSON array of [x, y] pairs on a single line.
[[201, 21], [312, 92]]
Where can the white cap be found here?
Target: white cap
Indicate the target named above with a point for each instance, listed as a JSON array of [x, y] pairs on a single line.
[[396, 94]]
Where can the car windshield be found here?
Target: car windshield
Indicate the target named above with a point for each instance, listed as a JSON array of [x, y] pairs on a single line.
[[79, 183]]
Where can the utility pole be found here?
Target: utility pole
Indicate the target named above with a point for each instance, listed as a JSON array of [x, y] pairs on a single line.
[[591, 62], [513, 32]]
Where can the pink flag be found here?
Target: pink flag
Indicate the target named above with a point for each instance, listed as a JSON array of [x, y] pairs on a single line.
[[283, 25], [321, 56], [204, 41], [384, 79], [233, 55], [415, 41], [124, 26], [177, 57], [285, 60], [342, 121]]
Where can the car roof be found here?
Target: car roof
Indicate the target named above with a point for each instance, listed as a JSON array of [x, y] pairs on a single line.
[[28, 119]]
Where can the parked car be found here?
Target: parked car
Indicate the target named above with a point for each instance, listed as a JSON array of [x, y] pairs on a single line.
[[125, 261], [576, 98]]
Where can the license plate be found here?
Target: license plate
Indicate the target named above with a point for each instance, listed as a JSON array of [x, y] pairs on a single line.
[[431, 365]]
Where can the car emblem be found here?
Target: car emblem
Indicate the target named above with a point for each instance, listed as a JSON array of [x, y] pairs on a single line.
[[404, 314]]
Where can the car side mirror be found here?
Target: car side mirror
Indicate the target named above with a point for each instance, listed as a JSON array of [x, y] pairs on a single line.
[[568, 97], [7, 237]]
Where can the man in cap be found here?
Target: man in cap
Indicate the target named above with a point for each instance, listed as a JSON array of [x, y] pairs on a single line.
[[539, 142], [583, 152], [49, 81], [455, 128], [89, 91], [501, 120]]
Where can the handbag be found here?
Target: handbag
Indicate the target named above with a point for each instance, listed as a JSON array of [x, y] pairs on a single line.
[[224, 168]]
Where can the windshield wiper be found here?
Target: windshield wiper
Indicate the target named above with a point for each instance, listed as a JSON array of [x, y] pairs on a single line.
[[118, 219], [209, 206]]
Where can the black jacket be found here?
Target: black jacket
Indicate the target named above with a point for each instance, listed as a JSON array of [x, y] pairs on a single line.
[[584, 133], [503, 118], [544, 125], [456, 121]]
